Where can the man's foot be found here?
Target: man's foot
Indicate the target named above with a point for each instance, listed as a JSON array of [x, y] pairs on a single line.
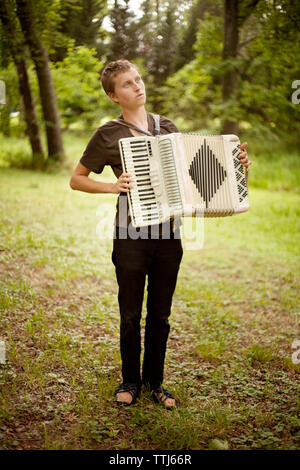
[[126, 394], [161, 395], [124, 397]]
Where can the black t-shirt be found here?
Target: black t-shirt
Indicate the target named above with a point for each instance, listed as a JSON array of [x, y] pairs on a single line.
[[103, 149]]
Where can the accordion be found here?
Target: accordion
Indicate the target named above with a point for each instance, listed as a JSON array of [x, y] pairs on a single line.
[[183, 175]]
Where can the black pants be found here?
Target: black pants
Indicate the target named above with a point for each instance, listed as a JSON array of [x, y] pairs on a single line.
[[134, 259]]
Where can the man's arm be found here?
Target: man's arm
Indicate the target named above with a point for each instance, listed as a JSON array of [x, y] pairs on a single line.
[[80, 181]]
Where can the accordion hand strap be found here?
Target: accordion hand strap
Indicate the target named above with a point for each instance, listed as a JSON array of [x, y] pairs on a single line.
[[138, 129]]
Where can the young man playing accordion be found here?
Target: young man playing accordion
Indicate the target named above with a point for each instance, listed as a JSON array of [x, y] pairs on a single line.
[[159, 257]]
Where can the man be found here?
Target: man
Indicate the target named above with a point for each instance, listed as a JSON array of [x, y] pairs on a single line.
[[135, 258]]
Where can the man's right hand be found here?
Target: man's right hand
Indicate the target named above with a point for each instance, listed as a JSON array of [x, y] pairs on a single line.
[[123, 184], [80, 181]]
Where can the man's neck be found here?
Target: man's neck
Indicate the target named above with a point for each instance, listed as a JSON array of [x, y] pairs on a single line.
[[136, 116]]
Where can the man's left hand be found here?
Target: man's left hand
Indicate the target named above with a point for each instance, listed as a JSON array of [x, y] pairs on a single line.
[[244, 156]]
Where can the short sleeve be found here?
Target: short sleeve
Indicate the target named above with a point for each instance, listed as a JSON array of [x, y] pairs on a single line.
[[94, 155], [167, 125]]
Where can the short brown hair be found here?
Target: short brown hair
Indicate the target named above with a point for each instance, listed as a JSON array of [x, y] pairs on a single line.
[[111, 70]]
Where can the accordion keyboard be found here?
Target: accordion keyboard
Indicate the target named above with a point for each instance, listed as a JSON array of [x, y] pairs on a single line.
[[142, 196]]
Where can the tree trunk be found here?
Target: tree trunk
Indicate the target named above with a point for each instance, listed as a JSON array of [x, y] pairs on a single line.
[[41, 62], [33, 130], [17, 52], [158, 9], [230, 47]]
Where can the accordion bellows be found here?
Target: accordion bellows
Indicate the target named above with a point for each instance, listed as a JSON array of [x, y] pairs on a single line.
[[183, 175]]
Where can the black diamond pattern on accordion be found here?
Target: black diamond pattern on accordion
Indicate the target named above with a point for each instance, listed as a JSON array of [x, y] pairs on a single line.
[[206, 163]]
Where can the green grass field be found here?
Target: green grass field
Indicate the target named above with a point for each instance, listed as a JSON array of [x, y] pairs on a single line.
[[235, 316]]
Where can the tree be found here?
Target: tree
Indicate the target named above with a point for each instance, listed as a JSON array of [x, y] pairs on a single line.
[[266, 63], [196, 12], [192, 95], [39, 55], [235, 14], [146, 33], [123, 39], [156, 33], [15, 41], [80, 24], [270, 64], [166, 44], [230, 47], [80, 96]]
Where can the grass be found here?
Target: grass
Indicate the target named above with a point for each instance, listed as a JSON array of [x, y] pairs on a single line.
[[229, 358]]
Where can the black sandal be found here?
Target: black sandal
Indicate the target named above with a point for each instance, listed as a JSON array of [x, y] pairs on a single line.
[[163, 397], [131, 388]]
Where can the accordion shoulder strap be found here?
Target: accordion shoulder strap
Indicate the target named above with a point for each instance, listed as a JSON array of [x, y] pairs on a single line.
[[156, 118]]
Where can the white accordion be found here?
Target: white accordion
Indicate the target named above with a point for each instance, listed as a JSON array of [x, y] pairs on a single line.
[[183, 175]]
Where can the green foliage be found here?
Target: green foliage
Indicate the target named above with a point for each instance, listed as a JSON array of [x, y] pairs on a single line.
[[61, 22], [124, 38], [14, 152], [189, 28], [78, 87], [7, 124], [268, 62], [165, 46], [80, 23], [271, 63], [48, 16], [196, 87]]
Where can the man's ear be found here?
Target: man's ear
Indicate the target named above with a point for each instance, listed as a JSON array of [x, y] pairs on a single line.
[[113, 97]]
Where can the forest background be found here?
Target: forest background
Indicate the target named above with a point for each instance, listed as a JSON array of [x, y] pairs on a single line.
[[211, 66]]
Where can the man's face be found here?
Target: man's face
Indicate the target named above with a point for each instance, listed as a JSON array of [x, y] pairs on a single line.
[[129, 89]]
